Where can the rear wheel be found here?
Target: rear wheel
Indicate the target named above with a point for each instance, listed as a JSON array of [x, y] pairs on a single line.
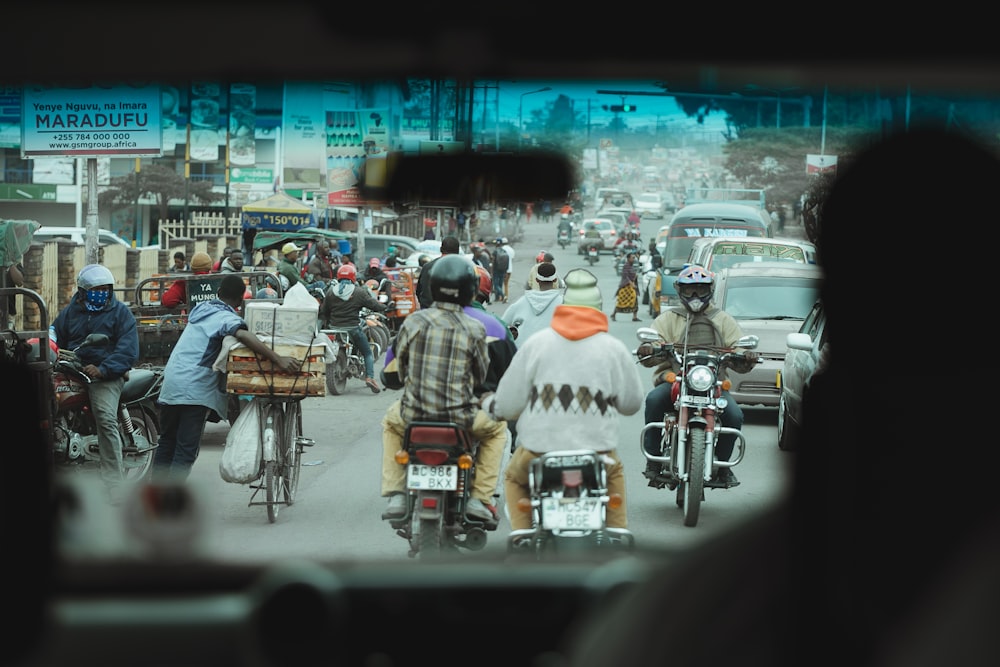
[[336, 375], [137, 452], [430, 537], [695, 484]]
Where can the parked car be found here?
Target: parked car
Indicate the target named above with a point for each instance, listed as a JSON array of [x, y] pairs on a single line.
[[78, 235], [769, 300], [653, 205], [718, 252], [606, 228], [805, 356]]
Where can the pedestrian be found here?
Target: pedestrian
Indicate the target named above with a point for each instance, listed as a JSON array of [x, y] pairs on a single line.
[[533, 310], [507, 248], [499, 262], [233, 263], [13, 277], [440, 356], [529, 210], [192, 390], [94, 309], [287, 268], [180, 264], [320, 268], [226, 252], [176, 294], [547, 211], [574, 357], [627, 296]]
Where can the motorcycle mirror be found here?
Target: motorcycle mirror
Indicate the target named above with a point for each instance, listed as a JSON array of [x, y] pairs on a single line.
[[95, 339], [650, 335], [749, 342]]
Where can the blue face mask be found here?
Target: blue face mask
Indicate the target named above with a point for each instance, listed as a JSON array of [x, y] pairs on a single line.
[[97, 299]]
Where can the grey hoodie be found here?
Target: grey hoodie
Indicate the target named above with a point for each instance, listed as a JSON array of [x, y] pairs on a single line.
[[534, 308]]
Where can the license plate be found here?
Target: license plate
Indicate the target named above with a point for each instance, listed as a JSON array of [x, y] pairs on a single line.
[[432, 478], [698, 400], [592, 251], [577, 514]]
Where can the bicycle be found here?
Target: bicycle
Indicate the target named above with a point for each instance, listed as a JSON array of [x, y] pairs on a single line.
[[283, 444]]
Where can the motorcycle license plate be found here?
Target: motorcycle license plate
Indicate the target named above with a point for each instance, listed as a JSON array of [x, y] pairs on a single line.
[[698, 400], [432, 478], [592, 252], [580, 514]]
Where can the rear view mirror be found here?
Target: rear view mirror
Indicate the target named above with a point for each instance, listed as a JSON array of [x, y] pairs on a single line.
[[95, 339], [749, 342], [468, 179], [647, 334]]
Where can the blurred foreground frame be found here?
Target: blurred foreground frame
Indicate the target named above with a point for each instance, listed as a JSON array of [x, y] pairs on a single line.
[[467, 179]]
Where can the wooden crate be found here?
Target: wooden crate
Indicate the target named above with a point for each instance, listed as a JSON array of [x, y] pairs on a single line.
[[246, 374]]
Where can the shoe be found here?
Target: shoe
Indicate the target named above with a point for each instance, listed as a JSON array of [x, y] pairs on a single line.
[[396, 507], [373, 385], [612, 318], [726, 477], [636, 319], [477, 509]]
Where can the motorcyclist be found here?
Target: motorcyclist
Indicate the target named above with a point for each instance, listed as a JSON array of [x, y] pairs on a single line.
[[340, 310], [696, 323], [440, 357], [374, 272], [565, 225], [95, 309]]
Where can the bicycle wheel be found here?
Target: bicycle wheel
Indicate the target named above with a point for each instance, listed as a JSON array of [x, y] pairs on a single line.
[[273, 469], [292, 450]]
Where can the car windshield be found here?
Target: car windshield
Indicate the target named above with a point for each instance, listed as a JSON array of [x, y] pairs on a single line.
[[770, 298], [232, 127]]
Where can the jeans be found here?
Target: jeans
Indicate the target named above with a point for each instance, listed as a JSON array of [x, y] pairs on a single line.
[[104, 398], [180, 441], [492, 436], [658, 403], [360, 341]]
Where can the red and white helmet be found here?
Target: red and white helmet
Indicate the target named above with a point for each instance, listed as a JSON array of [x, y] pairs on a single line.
[[347, 272]]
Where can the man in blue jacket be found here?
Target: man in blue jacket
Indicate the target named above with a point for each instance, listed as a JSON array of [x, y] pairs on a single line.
[[95, 309], [192, 388]]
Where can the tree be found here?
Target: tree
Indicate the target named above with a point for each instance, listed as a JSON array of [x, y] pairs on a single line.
[[156, 182]]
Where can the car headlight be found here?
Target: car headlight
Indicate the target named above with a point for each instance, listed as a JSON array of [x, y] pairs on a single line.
[[701, 378]]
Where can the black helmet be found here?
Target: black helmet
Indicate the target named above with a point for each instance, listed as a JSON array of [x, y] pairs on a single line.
[[453, 279]]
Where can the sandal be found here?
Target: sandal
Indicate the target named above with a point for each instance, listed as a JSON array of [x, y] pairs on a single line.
[[373, 385]]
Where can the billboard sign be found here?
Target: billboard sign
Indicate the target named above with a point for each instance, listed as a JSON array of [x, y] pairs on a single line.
[[123, 121]]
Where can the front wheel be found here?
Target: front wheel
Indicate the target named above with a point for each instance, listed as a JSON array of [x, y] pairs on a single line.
[[695, 486], [293, 451], [137, 451], [787, 429]]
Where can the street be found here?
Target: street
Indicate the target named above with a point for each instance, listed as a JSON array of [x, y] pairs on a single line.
[[337, 510]]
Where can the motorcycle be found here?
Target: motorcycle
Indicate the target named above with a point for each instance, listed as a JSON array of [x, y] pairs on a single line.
[[563, 238], [568, 502], [349, 362], [594, 252], [74, 428], [440, 460], [690, 430]]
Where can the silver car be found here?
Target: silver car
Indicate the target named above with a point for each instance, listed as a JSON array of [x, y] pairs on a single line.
[[806, 355], [769, 300]]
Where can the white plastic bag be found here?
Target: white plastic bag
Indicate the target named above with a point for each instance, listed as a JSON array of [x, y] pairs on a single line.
[[241, 459]]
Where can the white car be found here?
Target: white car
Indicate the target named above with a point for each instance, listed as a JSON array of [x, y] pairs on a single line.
[[654, 205]]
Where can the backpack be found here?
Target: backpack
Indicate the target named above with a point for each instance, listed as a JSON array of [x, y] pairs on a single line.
[[501, 260]]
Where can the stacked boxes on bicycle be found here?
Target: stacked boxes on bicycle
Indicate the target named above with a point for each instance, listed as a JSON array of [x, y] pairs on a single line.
[[290, 329]]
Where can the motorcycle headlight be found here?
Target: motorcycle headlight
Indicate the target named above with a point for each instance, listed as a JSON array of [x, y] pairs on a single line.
[[701, 378]]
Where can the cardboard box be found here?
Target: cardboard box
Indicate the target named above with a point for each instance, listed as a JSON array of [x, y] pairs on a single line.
[[270, 319], [246, 374]]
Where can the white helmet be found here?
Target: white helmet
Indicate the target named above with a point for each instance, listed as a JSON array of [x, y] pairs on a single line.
[[94, 275]]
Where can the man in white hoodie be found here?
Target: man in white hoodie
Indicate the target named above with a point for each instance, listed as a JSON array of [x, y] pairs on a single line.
[[566, 386], [533, 310]]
